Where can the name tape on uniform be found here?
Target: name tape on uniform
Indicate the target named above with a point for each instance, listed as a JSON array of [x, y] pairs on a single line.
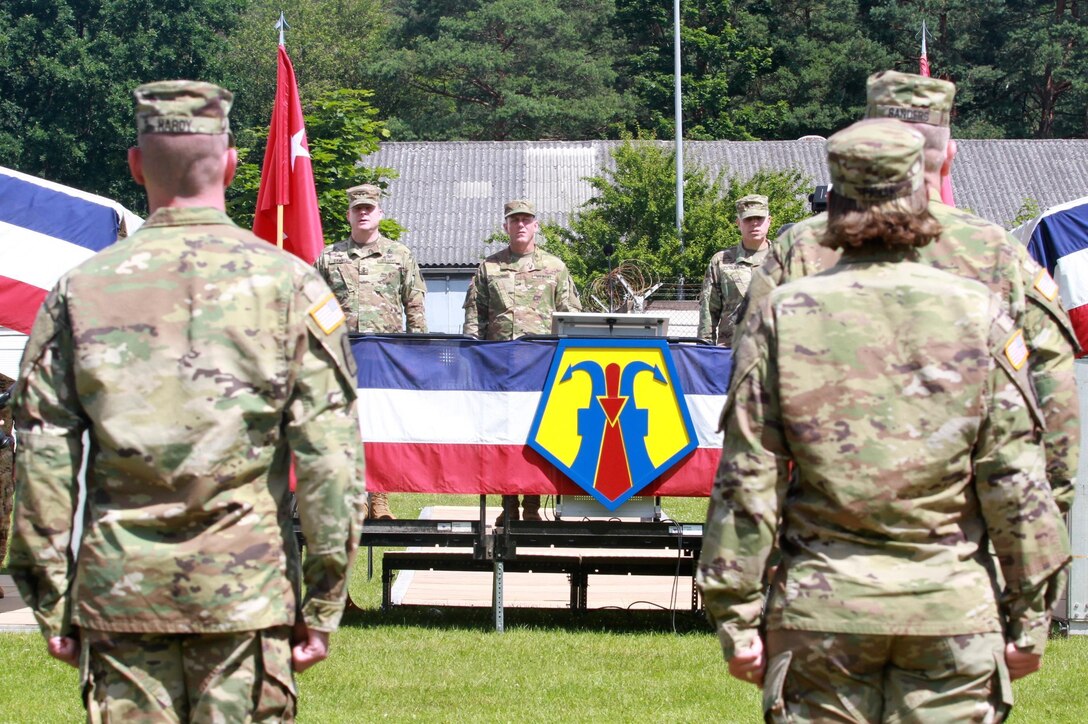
[[1045, 285], [1016, 350], [328, 314]]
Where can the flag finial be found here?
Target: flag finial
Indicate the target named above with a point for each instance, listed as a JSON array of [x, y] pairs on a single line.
[[282, 25], [923, 59]]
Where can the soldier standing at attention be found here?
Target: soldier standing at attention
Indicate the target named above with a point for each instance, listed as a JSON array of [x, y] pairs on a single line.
[[514, 293], [899, 393], [730, 271], [196, 359], [377, 283], [970, 247]]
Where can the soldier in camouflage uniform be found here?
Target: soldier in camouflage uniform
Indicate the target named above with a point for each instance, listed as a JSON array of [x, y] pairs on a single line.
[[899, 393], [196, 359], [971, 247], [730, 271], [377, 282], [514, 293]]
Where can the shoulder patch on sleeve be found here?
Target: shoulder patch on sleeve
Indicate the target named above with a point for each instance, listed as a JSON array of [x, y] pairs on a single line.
[[1016, 351], [327, 313], [1045, 285]]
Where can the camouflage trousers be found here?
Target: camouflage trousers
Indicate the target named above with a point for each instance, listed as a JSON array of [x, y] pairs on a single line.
[[231, 677], [833, 677]]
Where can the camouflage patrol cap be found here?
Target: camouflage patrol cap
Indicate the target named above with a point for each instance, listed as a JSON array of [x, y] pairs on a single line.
[[365, 194], [519, 206], [182, 106], [875, 163], [752, 205], [909, 97]]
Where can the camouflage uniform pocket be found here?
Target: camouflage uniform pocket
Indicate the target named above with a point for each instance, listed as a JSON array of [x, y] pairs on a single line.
[[504, 292], [346, 279], [774, 686], [276, 692], [735, 283]]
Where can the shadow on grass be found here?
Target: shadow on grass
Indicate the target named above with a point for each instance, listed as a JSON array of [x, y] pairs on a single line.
[[612, 620]]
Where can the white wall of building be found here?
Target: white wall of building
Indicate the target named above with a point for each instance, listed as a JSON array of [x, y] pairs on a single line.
[[446, 293]]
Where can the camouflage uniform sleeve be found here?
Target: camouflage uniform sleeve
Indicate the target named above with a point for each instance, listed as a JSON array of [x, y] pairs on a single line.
[[769, 274], [710, 304], [323, 433], [1052, 342], [320, 267], [567, 294], [749, 488], [414, 296], [50, 427], [476, 304], [1022, 519]]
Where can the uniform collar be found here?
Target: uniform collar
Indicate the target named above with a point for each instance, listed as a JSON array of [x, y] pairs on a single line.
[[374, 248], [187, 215]]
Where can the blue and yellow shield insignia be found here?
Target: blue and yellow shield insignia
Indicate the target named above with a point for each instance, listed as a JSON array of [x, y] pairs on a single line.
[[612, 416]]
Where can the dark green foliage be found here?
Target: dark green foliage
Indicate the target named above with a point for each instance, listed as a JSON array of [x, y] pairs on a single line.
[[332, 44], [507, 70], [67, 71], [525, 69]]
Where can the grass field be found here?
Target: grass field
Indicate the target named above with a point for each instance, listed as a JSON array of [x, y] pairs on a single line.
[[425, 664]]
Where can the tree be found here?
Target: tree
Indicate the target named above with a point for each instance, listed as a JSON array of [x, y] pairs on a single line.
[[332, 44], [509, 70], [341, 127], [634, 210], [67, 71], [1018, 67], [724, 50], [1043, 65], [822, 57]]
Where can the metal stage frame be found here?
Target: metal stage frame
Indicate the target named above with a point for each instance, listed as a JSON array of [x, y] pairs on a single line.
[[496, 550]]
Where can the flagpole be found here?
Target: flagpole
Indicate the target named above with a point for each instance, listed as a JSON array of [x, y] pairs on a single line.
[[281, 25]]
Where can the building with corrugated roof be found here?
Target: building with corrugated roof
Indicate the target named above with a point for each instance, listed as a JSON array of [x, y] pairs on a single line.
[[449, 195]]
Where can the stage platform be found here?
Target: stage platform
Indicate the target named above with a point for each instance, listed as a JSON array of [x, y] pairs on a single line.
[[15, 615], [539, 589]]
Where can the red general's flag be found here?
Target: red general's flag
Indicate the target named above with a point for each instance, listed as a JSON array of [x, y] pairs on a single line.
[[287, 178]]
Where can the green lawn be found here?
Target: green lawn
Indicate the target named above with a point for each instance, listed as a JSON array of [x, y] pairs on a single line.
[[448, 665]]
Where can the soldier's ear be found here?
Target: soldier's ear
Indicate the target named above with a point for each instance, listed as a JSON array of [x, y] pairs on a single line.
[[136, 165], [231, 166]]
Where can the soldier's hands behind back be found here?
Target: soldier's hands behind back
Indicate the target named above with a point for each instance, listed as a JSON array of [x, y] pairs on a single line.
[[64, 648], [1021, 663], [308, 647], [749, 664]]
